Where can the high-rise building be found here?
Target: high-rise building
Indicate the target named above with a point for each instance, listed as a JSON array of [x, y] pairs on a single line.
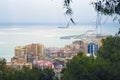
[[20, 51], [79, 46], [35, 49], [92, 48], [28, 53]]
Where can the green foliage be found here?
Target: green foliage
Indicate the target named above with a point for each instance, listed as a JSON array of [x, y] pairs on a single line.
[[77, 68], [25, 73], [105, 67], [68, 11], [68, 7], [2, 63], [107, 7], [110, 49], [47, 74]]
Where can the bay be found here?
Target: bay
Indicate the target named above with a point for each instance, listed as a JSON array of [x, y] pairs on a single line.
[[49, 35]]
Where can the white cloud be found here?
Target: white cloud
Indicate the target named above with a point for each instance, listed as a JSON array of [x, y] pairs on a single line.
[[12, 29]]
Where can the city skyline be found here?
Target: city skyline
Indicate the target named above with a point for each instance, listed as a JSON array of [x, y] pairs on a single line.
[[47, 35], [34, 21]]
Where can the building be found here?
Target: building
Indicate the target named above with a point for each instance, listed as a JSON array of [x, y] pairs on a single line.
[[29, 58], [79, 46], [37, 50], [43, 64], [18, 60], [75, 47], [92, 48], [18, 66], [28, 53], [20, 51]]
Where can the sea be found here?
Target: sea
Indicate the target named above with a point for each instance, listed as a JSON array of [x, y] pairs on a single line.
[[12, 35]]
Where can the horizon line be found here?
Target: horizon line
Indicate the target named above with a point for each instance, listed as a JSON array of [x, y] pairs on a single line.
[[51, 23]]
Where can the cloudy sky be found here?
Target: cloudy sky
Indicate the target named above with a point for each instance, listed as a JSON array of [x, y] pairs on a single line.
[[44, 11]]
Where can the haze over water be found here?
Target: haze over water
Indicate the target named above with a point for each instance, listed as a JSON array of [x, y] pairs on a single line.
[[49, 35]]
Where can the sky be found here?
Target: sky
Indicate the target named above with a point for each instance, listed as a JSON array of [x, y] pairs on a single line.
[[44, 11]]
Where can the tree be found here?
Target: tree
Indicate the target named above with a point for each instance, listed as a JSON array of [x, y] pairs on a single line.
[[2, 64], [68, 11], [25, 73], [110, 52], [82, 67], [110, 49], [108, 7], [47, 74], [68, 8], [104, 7], [105, 67]]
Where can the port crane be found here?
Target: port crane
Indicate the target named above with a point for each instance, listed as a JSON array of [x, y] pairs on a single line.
[[89, 34]]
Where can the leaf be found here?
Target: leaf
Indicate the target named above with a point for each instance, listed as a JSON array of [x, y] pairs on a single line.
[[119, 31], [72, 21]]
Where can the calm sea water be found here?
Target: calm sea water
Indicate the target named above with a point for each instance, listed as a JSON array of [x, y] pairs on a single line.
[[49, 35]]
